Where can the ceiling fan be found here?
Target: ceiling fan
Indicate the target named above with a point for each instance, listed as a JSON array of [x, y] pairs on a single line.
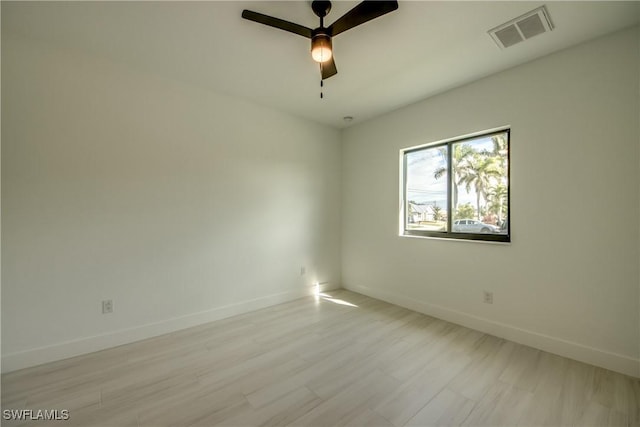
[[321, 45]]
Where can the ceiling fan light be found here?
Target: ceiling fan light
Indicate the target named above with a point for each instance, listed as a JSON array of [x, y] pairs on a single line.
[[321, 48]]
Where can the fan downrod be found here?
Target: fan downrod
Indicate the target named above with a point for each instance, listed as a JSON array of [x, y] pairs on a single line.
[[321, 8]]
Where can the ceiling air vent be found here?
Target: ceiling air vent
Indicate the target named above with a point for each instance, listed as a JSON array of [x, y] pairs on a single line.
[[522, 28]]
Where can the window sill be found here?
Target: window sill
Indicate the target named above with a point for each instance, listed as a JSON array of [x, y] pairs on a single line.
[[449, 239]]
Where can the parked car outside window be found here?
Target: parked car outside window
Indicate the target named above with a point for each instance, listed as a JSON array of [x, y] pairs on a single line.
[[473, 226]]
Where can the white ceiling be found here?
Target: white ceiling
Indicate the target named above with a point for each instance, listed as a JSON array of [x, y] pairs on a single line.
[[421, 49]]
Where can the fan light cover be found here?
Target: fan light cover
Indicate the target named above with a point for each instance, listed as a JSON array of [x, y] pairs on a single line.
[[321, 48]]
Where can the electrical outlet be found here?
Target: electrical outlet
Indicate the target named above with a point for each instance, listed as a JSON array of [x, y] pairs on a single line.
[[487, 297], [107, 306], [303, 270]]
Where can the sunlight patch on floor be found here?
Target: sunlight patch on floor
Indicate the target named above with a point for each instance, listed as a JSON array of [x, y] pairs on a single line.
[[326, 297]]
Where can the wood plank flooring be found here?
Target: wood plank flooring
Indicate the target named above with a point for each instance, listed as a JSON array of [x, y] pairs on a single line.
[[340, 359]]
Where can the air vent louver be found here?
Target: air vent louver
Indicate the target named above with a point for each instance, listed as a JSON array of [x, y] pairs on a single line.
[[522, 28]]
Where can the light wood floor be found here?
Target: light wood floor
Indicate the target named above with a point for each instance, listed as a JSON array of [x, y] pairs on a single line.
[[341, 359]]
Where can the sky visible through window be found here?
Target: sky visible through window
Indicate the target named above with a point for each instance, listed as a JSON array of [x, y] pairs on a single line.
[[423, 188]]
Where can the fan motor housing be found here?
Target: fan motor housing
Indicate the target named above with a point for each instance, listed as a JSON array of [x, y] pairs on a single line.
[[321, 8]]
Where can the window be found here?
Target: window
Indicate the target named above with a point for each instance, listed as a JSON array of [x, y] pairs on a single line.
[[458, 189]]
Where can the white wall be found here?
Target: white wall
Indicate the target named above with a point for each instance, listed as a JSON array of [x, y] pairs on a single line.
[[184, 206], [569, 281], [179, 204]]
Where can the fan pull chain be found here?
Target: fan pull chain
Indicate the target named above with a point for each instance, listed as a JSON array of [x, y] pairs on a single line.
[[321, 81]]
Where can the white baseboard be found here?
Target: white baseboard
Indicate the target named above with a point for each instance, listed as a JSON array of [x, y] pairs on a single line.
[[64, 350], [33, 357], [573, 350]]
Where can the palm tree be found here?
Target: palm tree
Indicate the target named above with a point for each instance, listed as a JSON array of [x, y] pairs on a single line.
[[480, 172], [460, 152], [499, 144], [497, 198], [499, 150], [437, 212]]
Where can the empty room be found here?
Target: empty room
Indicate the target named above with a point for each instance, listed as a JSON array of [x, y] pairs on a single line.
[[314, 213]]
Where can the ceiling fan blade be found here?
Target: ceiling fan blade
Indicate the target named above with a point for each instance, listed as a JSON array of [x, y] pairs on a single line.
[[328, 69], [364, 12], [277, 23]]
